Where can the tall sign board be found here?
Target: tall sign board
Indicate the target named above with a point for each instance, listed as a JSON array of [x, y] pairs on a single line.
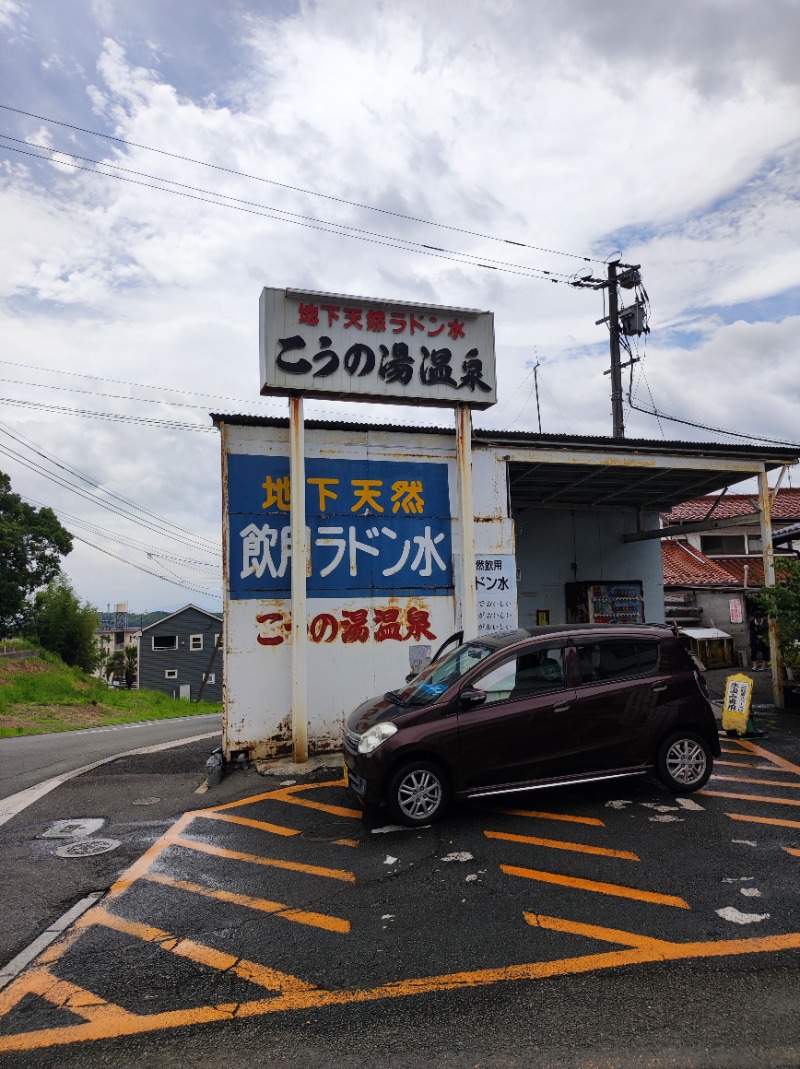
[[360, 348]]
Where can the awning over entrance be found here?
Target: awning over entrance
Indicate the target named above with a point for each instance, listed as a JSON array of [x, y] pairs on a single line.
[[602, 473]]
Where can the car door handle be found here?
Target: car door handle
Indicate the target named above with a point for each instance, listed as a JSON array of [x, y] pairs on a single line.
[[658, 687], [561, 708]]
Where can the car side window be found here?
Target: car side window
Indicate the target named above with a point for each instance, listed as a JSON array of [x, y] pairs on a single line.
[[617, 659], [526, 674]]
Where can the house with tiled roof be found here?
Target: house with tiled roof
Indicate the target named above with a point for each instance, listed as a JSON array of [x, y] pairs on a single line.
[[709, 575]]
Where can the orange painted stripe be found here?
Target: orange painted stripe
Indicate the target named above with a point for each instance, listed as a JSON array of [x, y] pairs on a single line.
[[205, 955], [140, 867], [294, 866], [556, 844], [639, 954], [761, 782], [599, 888], [274, 829], [279, 794], [781, 762], [551, 816], [594, 931], [347, 842], [316, 920], [745, 764], [765, 820], [792, 850], [336, 810], [752, 797]]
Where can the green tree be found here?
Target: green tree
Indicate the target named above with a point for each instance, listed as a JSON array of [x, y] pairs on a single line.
[[32, 543], [64, 625], [115, 665], [782, 603], [131, 655]]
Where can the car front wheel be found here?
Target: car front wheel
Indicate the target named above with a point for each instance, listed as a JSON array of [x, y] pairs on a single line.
[[684, 762], [418, 793]]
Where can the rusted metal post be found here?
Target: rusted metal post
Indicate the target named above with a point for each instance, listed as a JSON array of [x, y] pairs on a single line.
[[297, 482], [765, 511], [469, 597]]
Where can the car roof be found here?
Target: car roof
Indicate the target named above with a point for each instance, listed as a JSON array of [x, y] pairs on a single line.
[[499, 639]]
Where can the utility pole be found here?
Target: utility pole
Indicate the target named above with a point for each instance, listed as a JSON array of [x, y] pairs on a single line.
[[616, 368]]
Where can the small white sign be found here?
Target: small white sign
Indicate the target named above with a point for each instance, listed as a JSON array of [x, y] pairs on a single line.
[[496, 582], [736, 610]]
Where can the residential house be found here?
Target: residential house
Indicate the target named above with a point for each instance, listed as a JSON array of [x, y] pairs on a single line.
[[182, 655], [709, 575]]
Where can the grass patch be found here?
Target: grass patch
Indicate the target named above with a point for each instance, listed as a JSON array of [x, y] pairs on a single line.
[[41, 695]]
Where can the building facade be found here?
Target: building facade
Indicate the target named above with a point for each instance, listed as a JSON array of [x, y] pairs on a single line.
[[182, 655]]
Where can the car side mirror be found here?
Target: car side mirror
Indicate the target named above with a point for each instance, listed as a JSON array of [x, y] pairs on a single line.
[[470, 697]]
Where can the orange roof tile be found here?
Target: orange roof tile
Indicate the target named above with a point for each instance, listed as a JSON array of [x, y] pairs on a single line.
[[685, 566], [785, 508]]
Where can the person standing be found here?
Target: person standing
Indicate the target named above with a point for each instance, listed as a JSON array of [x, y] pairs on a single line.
[[759, 643]]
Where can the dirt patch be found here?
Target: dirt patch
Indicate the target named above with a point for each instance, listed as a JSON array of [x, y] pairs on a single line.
[[55, 717], [12, 666]]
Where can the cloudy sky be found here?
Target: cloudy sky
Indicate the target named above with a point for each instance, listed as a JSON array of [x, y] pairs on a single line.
[[244, 137]]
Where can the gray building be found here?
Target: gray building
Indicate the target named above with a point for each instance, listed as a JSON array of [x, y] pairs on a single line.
[[178, 652]]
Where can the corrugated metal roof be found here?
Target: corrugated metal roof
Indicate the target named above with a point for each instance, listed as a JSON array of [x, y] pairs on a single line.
[[594, 472], [632, 445]]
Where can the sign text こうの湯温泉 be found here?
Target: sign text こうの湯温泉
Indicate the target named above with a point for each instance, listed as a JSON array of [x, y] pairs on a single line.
[[373, 527], [359, 348]]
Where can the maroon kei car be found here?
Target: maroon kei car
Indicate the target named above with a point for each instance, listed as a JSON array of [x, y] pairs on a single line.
[[520, 710]]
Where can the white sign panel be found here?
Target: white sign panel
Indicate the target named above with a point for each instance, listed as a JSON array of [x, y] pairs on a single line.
[[496, 580], [362, 348]]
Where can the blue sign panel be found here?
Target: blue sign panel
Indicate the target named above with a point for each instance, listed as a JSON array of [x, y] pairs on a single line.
[[375, 527]]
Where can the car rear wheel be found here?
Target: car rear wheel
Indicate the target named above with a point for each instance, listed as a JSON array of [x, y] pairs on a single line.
[[684, 762], [418, 793]]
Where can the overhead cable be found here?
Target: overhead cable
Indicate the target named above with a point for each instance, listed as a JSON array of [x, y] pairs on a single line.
[[298, 189]]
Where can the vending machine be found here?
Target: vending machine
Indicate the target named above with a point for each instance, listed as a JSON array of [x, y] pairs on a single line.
[[619, 602]]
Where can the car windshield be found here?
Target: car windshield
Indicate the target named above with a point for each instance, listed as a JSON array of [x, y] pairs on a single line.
[[437, 677]]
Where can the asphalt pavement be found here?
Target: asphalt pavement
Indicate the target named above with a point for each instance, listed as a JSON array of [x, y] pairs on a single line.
[[30, 759]]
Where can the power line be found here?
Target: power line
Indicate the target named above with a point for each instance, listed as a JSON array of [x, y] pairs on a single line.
[[298, 189], [175, 425], [163, 578], [236, 201], [337, 229], [40, 451], [59, 481], [123, 540], [714, 430]]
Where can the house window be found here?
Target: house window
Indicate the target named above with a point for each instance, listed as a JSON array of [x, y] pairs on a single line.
[[195, 642], [754, 544], [722, 545], [165, 642], [211, 678], [171, 673]]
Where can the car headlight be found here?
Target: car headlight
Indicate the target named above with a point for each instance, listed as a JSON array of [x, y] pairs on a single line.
[[374, 736]]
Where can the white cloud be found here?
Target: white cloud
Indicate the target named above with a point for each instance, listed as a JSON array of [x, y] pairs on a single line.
[[670, 132]]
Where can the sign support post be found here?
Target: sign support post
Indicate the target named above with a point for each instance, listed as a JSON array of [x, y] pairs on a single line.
[[776, 661], [297, 482], [469, 597]]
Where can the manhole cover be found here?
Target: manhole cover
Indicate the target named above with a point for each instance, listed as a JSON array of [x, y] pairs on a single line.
[[145, 801], [73, 829], [88, 847]]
